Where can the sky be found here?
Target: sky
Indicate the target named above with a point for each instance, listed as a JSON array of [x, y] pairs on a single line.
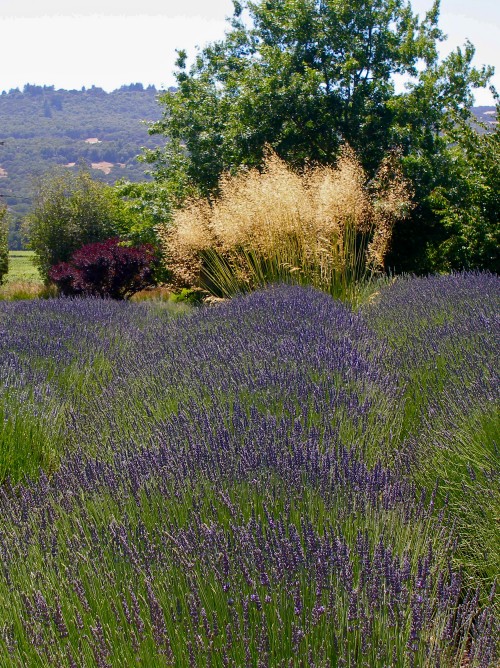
[[108, 43]]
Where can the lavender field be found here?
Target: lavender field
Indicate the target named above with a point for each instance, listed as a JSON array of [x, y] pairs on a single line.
[[275, 481]]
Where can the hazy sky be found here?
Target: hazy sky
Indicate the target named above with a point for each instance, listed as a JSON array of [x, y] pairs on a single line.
[[75, 43]]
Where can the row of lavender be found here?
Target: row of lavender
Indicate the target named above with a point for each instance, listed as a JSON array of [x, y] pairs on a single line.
[[444, 333], [242, 486]]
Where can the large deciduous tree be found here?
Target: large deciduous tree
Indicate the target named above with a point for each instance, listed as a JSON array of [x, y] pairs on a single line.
[[304, 76], [469, 206]]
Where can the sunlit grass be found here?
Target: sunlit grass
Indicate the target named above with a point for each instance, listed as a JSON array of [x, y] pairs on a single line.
[[21, 267], [22, 280]]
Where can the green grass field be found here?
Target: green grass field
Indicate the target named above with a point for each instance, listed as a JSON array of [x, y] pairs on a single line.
[[21, 267], [23, 280]]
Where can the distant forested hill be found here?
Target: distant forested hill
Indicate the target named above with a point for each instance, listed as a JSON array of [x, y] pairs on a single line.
[[487, 116], [41, 127]]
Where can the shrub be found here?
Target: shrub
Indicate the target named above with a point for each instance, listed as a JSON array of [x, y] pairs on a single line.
[[324, 226], [105, 269], [71, 210], [188, 296], [4, 248]]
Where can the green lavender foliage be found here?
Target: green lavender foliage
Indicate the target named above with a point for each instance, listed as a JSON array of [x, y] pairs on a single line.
[[4, 249], [276, 479], [445, 335]]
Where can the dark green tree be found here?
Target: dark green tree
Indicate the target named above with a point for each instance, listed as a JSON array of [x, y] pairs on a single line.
[[469, 207], [306, 75], [432, 116], [148, 205], [71, 210]]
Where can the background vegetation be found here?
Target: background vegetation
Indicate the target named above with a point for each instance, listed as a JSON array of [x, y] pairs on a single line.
[[22, 280], [304, 77], [41, 128], [71, 209], [22, 267]]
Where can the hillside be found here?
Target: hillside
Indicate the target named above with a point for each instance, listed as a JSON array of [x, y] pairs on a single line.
[[485, 115], [41, 127]]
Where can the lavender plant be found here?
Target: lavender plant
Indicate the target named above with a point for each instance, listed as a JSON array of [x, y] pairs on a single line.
[[4, 247], [240, 485], [445, 339]]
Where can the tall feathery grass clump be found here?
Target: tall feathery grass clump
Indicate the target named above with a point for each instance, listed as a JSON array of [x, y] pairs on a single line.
[[325, 226]]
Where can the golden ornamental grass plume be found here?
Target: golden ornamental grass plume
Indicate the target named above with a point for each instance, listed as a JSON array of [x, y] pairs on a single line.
[[258, 209], [392, 201], [184, 241], [323, 226]]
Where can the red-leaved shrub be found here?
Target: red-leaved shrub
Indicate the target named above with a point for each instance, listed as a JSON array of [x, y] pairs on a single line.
[[105, 269]]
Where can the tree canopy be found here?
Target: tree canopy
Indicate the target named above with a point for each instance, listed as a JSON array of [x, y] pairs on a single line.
[[306, 76], [469, 204]]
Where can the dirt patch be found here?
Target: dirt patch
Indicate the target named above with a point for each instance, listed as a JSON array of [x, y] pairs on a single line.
[[93, 140], [70, 164], [105, 167], [3, 173]]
